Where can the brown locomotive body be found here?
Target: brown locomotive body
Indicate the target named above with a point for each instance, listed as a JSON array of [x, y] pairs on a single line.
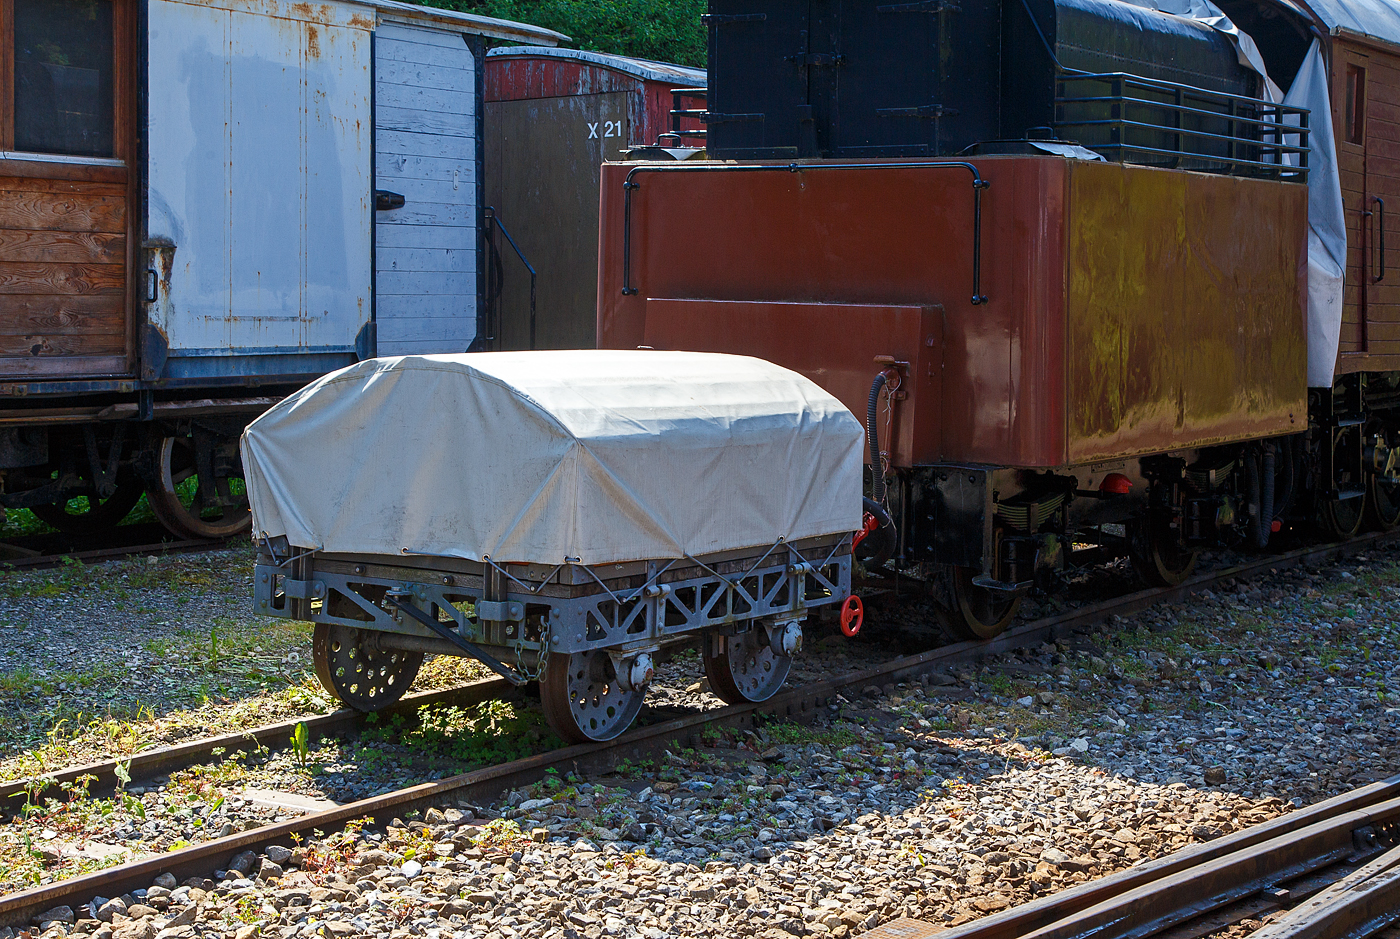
[[1128, 309], [1076, 350]]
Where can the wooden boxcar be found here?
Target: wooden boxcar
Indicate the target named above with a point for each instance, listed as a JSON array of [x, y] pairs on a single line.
[[204, 205], [553, 117]]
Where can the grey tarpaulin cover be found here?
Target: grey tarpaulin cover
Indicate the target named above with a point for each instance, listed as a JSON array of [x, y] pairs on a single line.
[[599, 456]]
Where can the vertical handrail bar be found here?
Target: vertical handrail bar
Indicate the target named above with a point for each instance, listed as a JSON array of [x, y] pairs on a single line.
[[534, 275]]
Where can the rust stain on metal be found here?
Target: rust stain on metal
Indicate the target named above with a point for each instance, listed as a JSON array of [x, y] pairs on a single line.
[[313, 42], [360, 21], [164, 250]]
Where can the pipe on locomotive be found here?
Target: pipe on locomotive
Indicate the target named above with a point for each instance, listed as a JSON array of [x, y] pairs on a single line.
[[872, 432], [1261, 469]]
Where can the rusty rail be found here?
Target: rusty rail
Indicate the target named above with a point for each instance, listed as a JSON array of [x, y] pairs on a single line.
[[1339, 852]]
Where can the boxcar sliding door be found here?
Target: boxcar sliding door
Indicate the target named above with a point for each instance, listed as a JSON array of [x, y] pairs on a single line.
[[425, 127], [259, 204], [65, 225]]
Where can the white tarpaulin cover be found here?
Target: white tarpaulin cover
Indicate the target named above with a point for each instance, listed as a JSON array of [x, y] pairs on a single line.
[[600, 456], [1327, 228]]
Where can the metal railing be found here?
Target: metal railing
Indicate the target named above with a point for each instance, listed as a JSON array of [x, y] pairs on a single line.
[[680, 112], [1131, 119], [496, 279]]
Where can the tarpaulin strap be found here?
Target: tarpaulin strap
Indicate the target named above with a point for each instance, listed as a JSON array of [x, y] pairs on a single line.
[[295, 557], [524, 586]]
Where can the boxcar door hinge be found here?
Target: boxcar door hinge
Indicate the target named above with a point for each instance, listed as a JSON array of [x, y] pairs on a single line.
[[724, 19], [927, 6], [934, 111], [819, 59], [710, 117]]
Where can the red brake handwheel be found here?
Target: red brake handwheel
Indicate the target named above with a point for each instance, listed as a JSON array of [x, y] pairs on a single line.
[[852, 615]]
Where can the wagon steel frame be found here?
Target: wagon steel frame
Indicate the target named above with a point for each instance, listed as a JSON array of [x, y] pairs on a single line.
[[530, 610]]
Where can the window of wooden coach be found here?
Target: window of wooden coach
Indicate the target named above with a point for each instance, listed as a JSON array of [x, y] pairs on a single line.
[[1356, 104], [62, 68]]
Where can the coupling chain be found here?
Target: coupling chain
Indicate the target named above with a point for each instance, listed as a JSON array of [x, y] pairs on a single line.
[[541, 661]]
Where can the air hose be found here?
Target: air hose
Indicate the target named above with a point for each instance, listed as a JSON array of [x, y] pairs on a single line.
[[872, 434], [1261, 494], [880, 539]]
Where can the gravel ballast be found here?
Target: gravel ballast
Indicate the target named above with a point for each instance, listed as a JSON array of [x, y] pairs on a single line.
[[944, 800]]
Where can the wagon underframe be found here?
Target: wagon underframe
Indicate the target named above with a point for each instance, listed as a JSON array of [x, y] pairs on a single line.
[[586, 632]]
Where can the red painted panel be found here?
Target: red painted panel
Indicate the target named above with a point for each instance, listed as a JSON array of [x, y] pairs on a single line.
[[834, 345], [1164, 354], [514, 78], [887, 237]]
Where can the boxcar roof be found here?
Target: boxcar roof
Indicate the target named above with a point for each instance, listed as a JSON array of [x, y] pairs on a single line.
[[471, 22], [644, 69], [1379, 19]]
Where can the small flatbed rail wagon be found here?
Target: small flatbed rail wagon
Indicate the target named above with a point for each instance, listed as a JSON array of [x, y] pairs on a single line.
[[559, 516]]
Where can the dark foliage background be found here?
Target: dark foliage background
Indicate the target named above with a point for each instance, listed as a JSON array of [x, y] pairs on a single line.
[[664, 30]]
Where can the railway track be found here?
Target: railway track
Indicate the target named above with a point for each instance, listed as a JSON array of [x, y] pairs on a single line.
[[36, 552], [1331, 871], [643, 743]]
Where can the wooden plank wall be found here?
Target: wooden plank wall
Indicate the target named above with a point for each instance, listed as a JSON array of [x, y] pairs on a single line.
[[1370, 337], [63, 245], [425, 140], [1383, 179]]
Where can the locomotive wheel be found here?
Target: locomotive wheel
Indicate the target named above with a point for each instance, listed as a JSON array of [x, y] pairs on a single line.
[[1341, 518], [582, 699], [1160, 561], [87, 514], [744, 669], [978, 612], [355, 672], [1382, 504], [195, 514]]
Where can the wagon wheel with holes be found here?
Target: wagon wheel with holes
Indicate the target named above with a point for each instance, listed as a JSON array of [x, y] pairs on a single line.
[[1382, 503], [92, 513], [583, 699], [745, 668], [356, 671], [1158, 557]]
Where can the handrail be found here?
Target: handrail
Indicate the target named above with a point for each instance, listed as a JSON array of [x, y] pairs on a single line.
[[493, 219], [628, 186], [1260, 130]]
